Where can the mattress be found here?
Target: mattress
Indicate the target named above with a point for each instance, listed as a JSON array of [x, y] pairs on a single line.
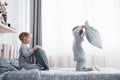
[[71, 74], [63, 74], [32, 74]]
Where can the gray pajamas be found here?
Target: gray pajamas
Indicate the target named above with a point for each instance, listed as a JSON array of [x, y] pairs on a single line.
[[80, 65], [29, 66], [25, 54], [78, 52]]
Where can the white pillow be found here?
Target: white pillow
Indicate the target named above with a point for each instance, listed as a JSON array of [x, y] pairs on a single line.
[[93, 36]]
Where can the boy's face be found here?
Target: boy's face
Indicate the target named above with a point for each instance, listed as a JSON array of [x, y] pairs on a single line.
[[27, 39]]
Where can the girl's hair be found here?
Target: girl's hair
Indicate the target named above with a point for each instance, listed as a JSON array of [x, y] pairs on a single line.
[[23, 34], [81, 31], [74, 28]]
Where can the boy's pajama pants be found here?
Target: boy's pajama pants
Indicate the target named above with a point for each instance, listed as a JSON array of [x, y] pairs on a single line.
[[42, 60]]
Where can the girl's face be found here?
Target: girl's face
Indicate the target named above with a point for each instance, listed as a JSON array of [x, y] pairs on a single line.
[[27, 40]]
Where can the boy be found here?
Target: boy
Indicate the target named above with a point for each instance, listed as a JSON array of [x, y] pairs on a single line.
[[25, 54], [79, 54]]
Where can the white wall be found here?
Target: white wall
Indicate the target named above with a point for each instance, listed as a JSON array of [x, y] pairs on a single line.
[[18, 17]]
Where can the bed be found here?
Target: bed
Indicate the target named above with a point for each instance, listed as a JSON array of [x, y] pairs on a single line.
[[62, 74], [11, 71]]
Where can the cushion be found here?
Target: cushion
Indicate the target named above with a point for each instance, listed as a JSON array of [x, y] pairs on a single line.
[[93, 36], [14, 63], [5, 66]]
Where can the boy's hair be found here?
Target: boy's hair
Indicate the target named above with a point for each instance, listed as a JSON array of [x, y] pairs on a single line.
[[23, 34]]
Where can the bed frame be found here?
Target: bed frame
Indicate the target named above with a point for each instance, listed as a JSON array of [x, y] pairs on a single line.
[[12, 52], [8, 51]]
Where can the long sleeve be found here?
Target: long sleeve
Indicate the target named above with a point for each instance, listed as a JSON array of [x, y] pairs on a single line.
[[26, 51]]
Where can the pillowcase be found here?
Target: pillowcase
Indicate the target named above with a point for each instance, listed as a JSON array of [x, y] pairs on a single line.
[[5, 66], [93, 36], [41, 58]]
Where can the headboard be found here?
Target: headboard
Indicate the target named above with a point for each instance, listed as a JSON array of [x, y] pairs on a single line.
[[8, 51], [11, 52]]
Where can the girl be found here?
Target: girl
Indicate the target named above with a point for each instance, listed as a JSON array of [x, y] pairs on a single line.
[[79, 54]]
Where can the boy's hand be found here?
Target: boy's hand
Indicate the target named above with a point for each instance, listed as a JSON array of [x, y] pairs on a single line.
[[34, 49]]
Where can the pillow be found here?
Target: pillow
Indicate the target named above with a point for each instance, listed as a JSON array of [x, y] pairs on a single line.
[[14, 63], [93, 36], [5, 66], [41, 58]]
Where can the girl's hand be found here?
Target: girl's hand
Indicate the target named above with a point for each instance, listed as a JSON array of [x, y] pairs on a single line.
[[84, 26]]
